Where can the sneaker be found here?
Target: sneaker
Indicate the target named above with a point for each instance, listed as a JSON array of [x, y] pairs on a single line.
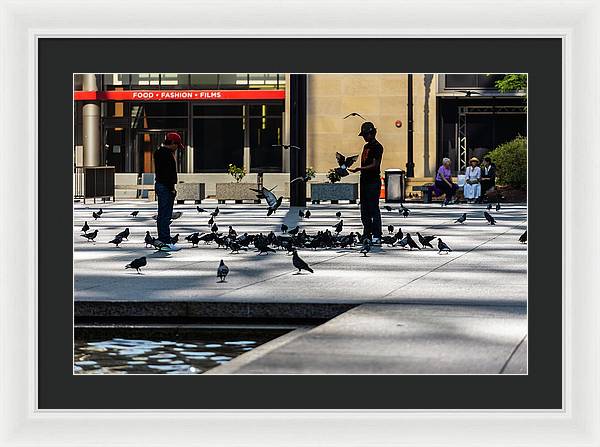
[[170, 247]]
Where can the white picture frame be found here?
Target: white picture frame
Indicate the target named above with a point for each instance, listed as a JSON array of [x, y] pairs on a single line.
[[577, 23]]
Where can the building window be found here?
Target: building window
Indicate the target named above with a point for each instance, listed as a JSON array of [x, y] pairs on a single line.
[[473, 81], [266, 127]]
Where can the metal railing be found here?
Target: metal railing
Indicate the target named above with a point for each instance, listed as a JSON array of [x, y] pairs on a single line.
[[94, 182]]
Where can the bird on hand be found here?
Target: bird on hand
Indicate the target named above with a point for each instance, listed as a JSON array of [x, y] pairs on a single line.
[[489, 218], [222, 271], [90, 236], [461, 219], [344, 163], [299, 263], [137, 264]]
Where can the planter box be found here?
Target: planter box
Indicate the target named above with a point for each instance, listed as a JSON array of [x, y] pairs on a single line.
[[334, 192], [190, 191], [236, 191]]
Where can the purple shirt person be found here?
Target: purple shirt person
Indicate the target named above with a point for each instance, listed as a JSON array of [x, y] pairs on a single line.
[[443, 181]]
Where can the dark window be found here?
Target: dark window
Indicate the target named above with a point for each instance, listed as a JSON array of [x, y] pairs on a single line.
[[475, 81], [115, 149], [266, 122], [218, 137]]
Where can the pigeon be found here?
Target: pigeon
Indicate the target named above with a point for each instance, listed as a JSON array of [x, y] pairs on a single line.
[[489, 218], [366, 247], [404, 212], [489, 206], [425, 240], [294, 231], [442, 246], [284, 228], [389, 240], [339, 226], [176, 215], [344, 163], [134, 213], [498, 206], [338, 214], [194, 239], [117, 240], [411, 242], [236, 247], [90, 236], [95, 215], [300, 213], [200, 210], [148, 240], [124, 234], [390, 229], [264, 248], [273, 202], [399, 235], [304, 178], [461, 219], [354, 114], [523, 237], [222, 271], [215, 213], [232, 232], [299, 263], [211, 221], [189, 237], [175, 239], [387, 208], [85, 227], [100, 211], [214, 228], [307, 214], [207, 238], [137, 264]]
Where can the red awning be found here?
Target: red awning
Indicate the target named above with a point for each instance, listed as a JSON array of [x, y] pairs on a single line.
[[179, 95]]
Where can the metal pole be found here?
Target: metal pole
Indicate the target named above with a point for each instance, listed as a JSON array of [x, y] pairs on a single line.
[[91, 125], [410, 165], [298, 90]]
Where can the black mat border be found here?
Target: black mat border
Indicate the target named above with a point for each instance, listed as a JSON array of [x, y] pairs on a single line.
[[59, 58]]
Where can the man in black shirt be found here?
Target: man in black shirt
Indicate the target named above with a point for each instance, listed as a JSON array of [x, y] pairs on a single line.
[[370, 182], [488, 177], [165, 167]]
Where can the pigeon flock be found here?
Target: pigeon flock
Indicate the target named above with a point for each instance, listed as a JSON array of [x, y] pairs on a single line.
[[286, 240]]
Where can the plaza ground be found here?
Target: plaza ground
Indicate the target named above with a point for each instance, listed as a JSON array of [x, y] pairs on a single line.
[[395, 311]]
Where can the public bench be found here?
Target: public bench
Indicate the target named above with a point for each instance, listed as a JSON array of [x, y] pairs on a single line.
[[426, 190]]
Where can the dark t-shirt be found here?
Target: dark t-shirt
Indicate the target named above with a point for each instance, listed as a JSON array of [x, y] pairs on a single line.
[[371, 150], [165, 166]]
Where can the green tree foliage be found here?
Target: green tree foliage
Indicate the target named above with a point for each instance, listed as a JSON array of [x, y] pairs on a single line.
[[512, 82], [237, 173], [511, 162]]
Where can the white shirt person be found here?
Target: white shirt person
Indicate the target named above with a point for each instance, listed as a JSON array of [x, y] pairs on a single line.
[[472, 188]]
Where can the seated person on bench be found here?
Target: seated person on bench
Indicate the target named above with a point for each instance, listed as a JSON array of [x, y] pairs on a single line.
[[443, 182], [488, 177]]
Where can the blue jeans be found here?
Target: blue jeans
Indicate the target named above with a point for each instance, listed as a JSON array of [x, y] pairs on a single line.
[[369, 207], [166, 198]]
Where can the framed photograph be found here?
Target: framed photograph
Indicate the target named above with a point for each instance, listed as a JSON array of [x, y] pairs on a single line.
[[333, 236]]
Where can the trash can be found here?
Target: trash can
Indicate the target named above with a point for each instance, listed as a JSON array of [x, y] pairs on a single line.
[[395, 182]]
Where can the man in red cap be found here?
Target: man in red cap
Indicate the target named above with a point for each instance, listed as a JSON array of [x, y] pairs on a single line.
[[165, 167]]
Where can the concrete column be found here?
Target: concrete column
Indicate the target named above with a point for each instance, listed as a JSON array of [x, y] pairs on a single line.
[[91, 125], [285, 153], [247, 159]]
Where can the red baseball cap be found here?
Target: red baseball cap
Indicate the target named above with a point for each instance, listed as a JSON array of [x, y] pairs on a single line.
[[174, 138]]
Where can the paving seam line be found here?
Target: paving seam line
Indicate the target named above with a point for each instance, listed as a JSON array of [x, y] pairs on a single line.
[[516, 348]]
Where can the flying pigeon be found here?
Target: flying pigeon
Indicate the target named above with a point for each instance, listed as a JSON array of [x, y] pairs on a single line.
[[222, 271], [523, 237], [137, 264], [299, 263], [489, 218], [425, 240], [134, 213], [272, 201], [117, 240], [354, 114], [442, 246], [344, 163], [286, 146], [90, 236], [461, 219], [85, 227], [124, 234]]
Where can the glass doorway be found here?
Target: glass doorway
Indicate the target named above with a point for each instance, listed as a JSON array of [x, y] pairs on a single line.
[[147, 141]]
